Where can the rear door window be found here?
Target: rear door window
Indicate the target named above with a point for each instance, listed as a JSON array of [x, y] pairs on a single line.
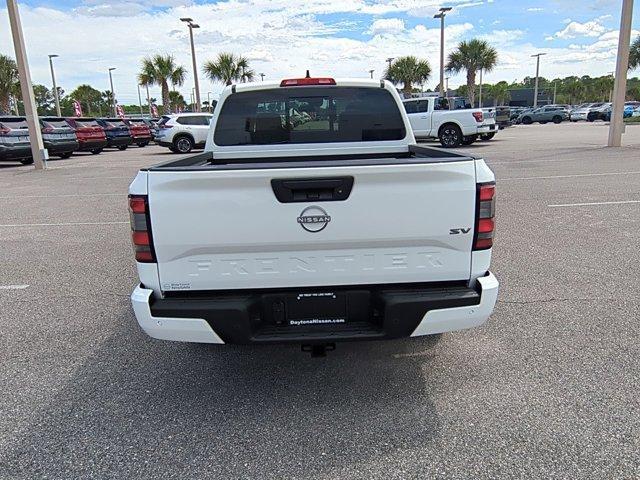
[[11, 123], [55, 123], [309, 115]]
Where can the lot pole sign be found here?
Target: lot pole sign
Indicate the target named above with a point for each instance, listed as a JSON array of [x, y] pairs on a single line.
[[119, 111], [616, 124], [77, 108], [154, 110], [38, 151]]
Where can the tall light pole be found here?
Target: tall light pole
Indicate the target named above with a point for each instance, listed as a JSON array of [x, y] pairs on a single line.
[[209, 99], [262, 77], [446, 82], [441, 15], [55, 87], [38, 151], [535, 90], [616, 125], [389, 60], [192, 25], [113, 94], [371, 73], [140, 99], [480, 92], [149, 100]]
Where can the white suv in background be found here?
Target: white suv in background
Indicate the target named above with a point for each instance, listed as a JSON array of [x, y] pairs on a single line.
[[183, 132]]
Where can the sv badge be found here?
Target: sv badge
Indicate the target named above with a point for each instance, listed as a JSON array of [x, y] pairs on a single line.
[[458, 231]]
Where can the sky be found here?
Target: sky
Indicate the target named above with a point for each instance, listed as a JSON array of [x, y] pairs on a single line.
[[283, 38]]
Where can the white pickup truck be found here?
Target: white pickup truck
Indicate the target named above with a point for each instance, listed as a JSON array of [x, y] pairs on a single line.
[[312, 217], [431, 117]]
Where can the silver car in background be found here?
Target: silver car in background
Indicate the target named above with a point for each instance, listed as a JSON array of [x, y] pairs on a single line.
[[581, 113]]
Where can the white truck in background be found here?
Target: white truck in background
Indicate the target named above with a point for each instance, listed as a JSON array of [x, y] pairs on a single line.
[[432, 117], [312, 218]]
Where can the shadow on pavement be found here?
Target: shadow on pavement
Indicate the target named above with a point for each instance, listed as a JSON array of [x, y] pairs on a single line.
[[140, 407]]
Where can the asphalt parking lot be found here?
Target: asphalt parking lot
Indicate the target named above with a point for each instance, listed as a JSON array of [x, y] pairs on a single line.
[[548, 388]]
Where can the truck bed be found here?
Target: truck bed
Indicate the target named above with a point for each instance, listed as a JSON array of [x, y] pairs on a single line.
[[415, 154]]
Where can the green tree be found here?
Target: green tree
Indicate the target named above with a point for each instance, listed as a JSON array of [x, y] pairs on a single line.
[[408, 70], [634, 54], [88, 97], [9, 83], [161, 70], [44, 99], [228, 68], [471, 56], [177, 100], [500, 93], [575, 90]]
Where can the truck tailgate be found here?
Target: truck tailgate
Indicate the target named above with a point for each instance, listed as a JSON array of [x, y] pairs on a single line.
[[225, 229]]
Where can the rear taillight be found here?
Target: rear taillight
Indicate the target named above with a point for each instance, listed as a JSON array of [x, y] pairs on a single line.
[[47, 130], [485, 216], [4, 130], [299, 82], [164, 126], [141, 229], [478, 116]]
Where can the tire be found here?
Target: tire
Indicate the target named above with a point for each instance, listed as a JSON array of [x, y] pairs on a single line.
[[183, 144], [122, 147], [96, 151], [469, 139], [557, 119], [66, 155], [143, 144], [173, 149], [450, 136], [487, 136], [26, 161], [527, 121]]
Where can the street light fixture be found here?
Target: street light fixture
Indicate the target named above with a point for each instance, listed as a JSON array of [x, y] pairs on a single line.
[[189, 22], [389, 60], [55, 87], [441, 15], [262, 77], [209, 99], [371, 73], [113, 94], [535, 90]]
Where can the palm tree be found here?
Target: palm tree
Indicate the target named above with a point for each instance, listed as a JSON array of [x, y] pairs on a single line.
[[500, 93], [472, 56], [87, 95], [161, 70], [9, 83], [634, 54], [176, 99], [228, 68], [408, 70]]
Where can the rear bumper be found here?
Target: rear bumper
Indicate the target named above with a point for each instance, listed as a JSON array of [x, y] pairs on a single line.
[[61, 147], [119, 141], [88, 145], [375, 313], [487, 128], [15, 152]]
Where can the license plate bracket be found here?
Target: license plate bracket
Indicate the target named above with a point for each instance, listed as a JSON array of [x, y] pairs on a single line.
[[316, 308]]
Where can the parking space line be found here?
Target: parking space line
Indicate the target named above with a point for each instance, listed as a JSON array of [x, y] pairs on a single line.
[[13, 287], [65, 195], [622, 202], [569, 176], [70, 224]]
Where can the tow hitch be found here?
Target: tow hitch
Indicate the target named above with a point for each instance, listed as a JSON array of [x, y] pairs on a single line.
[[319, 349]]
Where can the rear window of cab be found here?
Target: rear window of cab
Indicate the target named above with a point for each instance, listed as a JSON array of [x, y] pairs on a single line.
[[309, 115]]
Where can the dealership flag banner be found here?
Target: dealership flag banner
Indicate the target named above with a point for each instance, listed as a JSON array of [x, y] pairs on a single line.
[[120, 111], [154, 110], [77, 108]]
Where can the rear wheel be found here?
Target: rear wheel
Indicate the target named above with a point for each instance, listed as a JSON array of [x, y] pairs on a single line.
[[96, 151], [469, 139], [65, 155], [527, 121], [557, 119], [122, 147], [143, 144], [450, 136], [183, 144], [487, 136], [26, 161]]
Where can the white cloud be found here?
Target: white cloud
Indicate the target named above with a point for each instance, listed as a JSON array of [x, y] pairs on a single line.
[[576, 29], [535, 9], [386, 25]]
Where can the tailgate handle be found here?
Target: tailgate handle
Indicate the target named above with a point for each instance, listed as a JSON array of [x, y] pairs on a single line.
[[334, 189]]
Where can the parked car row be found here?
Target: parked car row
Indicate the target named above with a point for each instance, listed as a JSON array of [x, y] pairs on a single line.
[[544, 114], [591, 112], [63, 136]]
